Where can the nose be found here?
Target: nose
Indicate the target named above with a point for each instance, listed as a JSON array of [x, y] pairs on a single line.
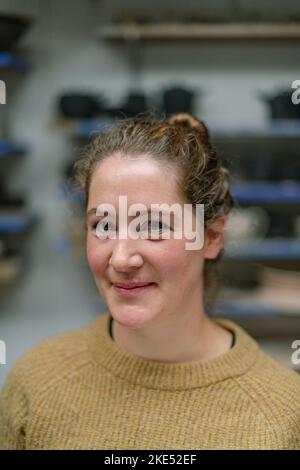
[[125, 256]]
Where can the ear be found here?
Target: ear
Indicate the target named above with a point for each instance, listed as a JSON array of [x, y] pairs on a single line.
[[214, 238]]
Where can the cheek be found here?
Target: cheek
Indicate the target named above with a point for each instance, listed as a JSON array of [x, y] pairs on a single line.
[[173, 261], [95, 255], [169, 263], [179, 265]]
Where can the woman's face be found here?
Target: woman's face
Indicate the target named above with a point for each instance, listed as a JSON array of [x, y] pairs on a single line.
[[175, 273]]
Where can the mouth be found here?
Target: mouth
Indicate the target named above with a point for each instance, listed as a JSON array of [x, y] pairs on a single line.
[[130, 291]]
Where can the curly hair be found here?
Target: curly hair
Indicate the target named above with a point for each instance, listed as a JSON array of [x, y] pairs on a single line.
[[181, 140]]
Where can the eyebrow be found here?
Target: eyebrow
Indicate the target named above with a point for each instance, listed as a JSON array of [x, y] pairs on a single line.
[[94, 210]]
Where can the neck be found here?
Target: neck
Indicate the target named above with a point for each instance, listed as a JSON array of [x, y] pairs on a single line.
[[176, 339]]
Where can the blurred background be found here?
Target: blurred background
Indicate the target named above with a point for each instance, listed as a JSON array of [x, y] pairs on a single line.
[[70, 69]]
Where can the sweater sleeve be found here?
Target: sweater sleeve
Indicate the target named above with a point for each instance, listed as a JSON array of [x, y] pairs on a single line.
[[13, 412]]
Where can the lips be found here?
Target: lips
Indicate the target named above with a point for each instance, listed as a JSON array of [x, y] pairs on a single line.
[[132, 290], [132, 285]]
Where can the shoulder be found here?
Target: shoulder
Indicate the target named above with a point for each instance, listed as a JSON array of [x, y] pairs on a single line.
[[39, 369], [271, 390], [274, 391], [50, 360], [269, 377], [262, 371]]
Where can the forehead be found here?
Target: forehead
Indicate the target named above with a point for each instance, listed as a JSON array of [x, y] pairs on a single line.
[[141, 179]]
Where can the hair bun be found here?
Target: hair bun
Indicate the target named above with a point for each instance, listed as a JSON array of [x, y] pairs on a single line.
[[190, 122]]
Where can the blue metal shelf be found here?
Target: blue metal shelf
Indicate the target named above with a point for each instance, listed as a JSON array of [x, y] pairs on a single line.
[[86, 127], [283, 128], [279, 128], [267, 192], [8, 148], [68, 191], [16, 223], [240, 308], [269, 248], [9, 60]]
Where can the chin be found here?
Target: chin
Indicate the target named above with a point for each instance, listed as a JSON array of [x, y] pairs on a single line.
[[131, 316]]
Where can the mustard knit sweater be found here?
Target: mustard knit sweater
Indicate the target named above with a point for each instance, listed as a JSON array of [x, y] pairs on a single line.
[[80, 390]]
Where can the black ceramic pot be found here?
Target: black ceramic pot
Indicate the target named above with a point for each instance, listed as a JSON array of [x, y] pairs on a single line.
[[77, 105], [281, 105], [178, 100], [12, 27]]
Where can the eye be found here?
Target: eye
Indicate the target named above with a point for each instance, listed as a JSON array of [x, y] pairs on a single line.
[[155, 226], [103, 228], [103, 224]]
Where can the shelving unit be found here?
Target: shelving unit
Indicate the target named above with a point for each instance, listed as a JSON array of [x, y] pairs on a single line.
[[200, 31], [10, 270], [16, 223], [274, 321], [277, 195], [275, 130], [283, 129], [83, 128], [267, 249], [11, 149], [267, 192], [246, 192], [8, 60], [10, 154]]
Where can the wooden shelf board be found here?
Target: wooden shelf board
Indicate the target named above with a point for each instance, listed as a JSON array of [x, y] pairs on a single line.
[[209, 31]]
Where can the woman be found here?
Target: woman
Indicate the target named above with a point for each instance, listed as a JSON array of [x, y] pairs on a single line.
[[154, 371]]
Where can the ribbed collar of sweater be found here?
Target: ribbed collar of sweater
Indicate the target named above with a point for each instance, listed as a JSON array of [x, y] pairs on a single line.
[[171, 376]]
